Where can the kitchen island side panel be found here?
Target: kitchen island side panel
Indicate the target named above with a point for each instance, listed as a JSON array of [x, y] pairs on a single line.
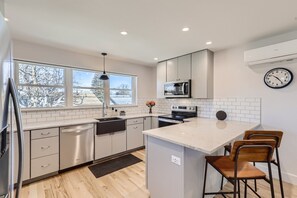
[[165, 179], [194, 167]]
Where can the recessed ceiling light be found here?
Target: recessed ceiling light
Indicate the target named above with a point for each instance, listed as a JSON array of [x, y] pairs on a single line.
[[6, 19], [156, 59], [208, 43], [185, 29], [124, 33]]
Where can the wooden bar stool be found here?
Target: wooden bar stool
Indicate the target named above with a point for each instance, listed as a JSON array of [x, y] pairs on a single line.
[[236, 167], [264, 134]]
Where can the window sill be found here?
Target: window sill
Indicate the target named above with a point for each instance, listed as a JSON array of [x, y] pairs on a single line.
[[60, 108], [74, 108], [122, 106]]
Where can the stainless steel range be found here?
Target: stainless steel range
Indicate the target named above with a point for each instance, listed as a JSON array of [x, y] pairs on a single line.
[[177, 116]]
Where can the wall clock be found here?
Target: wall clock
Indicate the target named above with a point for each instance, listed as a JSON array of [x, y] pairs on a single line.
[[278, 78]]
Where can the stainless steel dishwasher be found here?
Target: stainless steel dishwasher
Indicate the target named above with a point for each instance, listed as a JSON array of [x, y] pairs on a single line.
[[76, 145]]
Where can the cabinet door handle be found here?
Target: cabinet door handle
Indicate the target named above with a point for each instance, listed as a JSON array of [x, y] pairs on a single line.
[[44, 166], [45, 147], [45, 133]]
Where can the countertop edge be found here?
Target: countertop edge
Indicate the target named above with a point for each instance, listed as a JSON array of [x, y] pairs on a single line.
[[63, 123]]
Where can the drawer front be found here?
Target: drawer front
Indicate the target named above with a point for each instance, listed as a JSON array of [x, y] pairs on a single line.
[[44, 147], [44, 165], [44, 133], [134, 121]]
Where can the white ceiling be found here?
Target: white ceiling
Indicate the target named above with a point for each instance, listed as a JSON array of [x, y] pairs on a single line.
[[153, 26]]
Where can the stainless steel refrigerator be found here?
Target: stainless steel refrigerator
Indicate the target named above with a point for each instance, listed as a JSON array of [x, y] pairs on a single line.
[[10, 120]]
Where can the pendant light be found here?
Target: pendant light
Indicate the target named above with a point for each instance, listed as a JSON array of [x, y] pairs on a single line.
[[104, 76]]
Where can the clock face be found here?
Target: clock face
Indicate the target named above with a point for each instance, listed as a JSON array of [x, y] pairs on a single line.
[[278, 78]]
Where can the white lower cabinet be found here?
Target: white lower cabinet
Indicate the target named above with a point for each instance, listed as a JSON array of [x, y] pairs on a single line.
[[44, 151], [134, 136], [110, 144], [44, 165], [119, 142], [102, 146], [26, 169], [155, 122], [147, 123]]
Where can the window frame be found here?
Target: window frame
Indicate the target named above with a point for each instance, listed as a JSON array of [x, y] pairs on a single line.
[[68, 87], [133, 89]]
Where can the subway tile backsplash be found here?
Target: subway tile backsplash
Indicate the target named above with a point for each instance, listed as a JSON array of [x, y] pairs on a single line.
[[240, 109]]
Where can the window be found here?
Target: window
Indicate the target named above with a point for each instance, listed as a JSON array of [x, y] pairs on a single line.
[[122, 89], [40, 85], [49, 86], [88, 89]]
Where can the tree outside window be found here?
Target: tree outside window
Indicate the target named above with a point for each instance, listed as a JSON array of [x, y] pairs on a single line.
[[41, 86]]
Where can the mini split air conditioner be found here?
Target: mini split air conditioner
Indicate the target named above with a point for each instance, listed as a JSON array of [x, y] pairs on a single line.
[[272, 53]]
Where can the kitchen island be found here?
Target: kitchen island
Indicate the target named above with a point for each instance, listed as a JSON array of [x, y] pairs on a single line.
[[175, 155]]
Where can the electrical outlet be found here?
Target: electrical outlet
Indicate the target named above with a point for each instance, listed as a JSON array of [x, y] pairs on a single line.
[[175, 160]]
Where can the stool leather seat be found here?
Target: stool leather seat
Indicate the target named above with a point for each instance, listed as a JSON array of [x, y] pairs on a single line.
[[226, 167]]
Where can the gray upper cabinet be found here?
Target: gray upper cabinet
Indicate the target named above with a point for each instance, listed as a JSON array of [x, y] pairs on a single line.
[[196, 66], [161, 79], [202, 74], [172, 70], [179, 68], [184, 67]]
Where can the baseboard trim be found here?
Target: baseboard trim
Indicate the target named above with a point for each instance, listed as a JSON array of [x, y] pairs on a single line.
[[287, 177]]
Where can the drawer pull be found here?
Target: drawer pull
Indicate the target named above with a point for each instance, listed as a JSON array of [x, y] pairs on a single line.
[[135, 127], [45, 133], [43, 148], [44, 166]]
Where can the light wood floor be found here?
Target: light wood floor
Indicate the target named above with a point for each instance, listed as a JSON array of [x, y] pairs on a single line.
[[127, 183]]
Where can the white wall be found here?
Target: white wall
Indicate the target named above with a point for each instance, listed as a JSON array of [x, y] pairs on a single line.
[[45, 54], [234, 79]]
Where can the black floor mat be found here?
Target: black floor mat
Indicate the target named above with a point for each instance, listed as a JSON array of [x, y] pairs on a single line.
[[108, 167]]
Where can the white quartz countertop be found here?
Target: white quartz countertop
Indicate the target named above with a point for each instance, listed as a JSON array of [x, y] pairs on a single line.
[[202, 134], [52, 124]]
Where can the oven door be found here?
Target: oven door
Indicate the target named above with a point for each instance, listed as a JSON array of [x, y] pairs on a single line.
[[163, 122]]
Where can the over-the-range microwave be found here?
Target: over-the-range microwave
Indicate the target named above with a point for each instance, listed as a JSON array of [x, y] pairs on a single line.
[[177, 89]]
